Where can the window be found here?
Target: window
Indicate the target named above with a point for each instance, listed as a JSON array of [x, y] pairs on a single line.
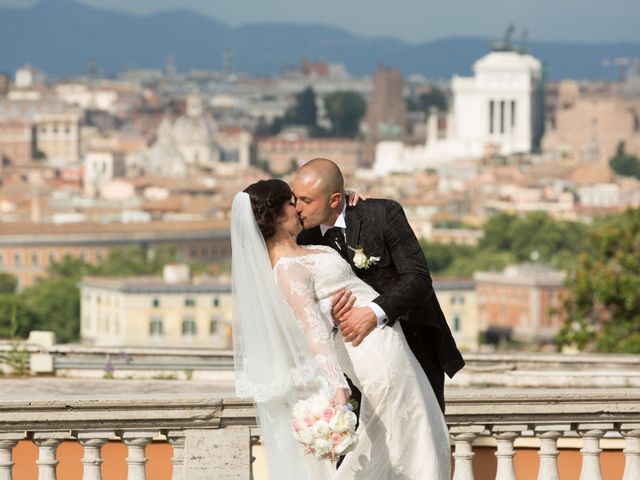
[[502, 116], [188, 326], [491, 112], [456, 323], [216, 302], [155, 302], [17, 259], [189, 302], [213, 325], [156, 327], [513, 114], [1, 259], [34, 259]]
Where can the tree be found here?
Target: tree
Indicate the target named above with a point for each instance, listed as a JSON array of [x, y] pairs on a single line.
[[54, 304], [303, 112], [423, 102], [603, 304], [345, 110], [625, 165], [8, 283]]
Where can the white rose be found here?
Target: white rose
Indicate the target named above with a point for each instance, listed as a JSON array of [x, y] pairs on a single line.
[[360, 259], [299, 411], [321, 447], [321, 428], [348, 443], [306, 435], [317, 404]]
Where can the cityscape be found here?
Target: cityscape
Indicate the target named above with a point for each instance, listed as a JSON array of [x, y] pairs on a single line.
[[116, 308]]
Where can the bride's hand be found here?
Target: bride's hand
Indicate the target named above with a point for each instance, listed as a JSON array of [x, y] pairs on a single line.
[[355, 197], [341, 397]]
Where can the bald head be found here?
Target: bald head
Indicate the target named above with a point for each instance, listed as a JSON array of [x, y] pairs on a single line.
[[319, 190], [324, 173]]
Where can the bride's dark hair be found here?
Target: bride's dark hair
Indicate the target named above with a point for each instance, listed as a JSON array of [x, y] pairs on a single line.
[[267, 201]]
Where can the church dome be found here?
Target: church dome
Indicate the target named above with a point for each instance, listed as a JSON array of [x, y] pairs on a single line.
[[196, 126]]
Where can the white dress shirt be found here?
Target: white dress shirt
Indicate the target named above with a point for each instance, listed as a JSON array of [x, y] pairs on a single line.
[[342, 225]]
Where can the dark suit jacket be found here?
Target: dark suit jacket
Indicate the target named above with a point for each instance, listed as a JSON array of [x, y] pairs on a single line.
[[402, 279]]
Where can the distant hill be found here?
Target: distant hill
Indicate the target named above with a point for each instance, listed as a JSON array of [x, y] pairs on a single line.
[[63, 36]]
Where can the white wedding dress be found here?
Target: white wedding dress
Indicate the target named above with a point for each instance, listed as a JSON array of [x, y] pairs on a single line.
[[402, 434]]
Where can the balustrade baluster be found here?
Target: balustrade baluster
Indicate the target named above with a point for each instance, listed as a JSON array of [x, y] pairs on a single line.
[[92, 459], [136, 458], [591, 435], [48, 443], [505, 436], [631, 434], [548, 435], [8, 441], [463, 437], [177, 441]]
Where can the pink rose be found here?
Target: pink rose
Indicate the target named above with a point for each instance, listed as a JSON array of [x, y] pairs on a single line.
[[335, 438], [296, 426], [309, 420], [328, 414]]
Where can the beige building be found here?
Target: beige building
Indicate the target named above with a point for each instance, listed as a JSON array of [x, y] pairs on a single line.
[[285, 153], [169, 311], [58, 135], [589, 127], [457, 298]]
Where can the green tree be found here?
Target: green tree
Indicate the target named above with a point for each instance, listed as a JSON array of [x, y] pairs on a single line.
[[603, 304], [345, 110], [303, 112], [624, 164], [423, 102], [54, 304], [8, 283]]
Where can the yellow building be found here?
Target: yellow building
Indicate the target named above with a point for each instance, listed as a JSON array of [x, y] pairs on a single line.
[[169, 311], [457, 298]]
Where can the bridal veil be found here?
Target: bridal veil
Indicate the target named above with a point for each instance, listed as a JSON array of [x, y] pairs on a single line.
[[273, 364]]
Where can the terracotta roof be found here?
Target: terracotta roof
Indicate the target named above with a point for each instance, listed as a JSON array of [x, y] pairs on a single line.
[[24, 228]]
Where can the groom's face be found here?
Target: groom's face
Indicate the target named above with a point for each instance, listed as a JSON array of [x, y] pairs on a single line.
[[313, 202]]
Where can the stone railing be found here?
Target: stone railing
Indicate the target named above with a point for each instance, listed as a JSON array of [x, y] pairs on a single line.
[[545, 416], [207, 434], [214, 438]]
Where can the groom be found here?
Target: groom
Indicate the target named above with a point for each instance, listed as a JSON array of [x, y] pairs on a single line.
[[401, 276]]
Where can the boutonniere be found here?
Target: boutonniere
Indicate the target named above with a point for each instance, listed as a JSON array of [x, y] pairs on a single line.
[[361, 259]]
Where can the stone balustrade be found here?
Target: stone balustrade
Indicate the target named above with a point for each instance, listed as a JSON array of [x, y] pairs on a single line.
[[214, 437]]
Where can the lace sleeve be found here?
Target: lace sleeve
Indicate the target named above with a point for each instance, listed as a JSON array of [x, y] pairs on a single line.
[[296, 284]]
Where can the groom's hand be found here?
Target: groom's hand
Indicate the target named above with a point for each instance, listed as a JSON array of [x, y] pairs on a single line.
[[342, 302], [357, 324]]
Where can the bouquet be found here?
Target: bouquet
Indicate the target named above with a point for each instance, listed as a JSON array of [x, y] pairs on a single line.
[[325, 430]]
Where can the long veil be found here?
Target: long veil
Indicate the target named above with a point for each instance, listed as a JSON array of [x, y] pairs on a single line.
[[273, 364]]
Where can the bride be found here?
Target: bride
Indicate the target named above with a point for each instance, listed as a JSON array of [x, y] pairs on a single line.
[[286, 348]]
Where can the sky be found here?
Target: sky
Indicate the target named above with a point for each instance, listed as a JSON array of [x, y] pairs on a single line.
[[418, 21]]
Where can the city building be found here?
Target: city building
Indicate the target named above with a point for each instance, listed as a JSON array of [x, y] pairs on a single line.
[[386, 117], [58, 136], [457, 299], [99, 168], [590, 126], [286, 152], [500, 110], [520, 303], [193, 142], [174, 310], [16, 142], [27, 249]]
